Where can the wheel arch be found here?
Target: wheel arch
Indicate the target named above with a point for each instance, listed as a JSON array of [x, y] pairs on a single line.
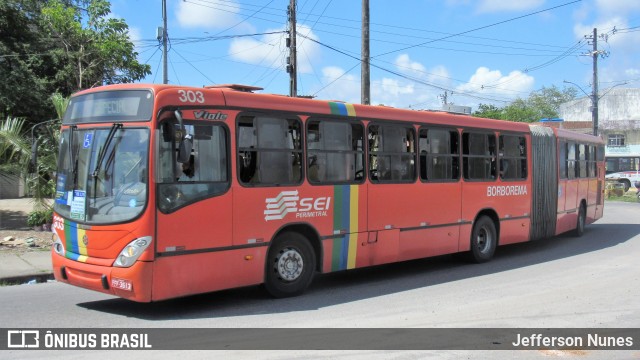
[[493, 215], [309, 232]]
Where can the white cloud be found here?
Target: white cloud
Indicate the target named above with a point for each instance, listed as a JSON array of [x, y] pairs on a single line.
[[621, 41], [404, 63], [632, 72], [270, 50], [490, 6], [135, 35], [486, 82], [390, 91], [213, 15], [339, 86], [617, 7]]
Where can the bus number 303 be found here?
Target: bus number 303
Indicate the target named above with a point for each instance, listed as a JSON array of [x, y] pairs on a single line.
[[191, 96]]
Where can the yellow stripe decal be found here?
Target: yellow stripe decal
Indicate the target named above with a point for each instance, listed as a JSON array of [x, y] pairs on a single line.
[[353, 228]]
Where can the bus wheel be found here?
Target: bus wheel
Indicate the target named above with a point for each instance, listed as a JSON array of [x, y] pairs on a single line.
[[290, 265], [626, 183], [484, 240], [580, 224]]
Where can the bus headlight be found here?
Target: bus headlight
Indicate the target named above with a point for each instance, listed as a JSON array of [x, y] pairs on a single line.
[[132, 252], [57, 245]]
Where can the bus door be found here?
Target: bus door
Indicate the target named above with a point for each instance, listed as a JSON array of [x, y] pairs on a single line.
[[392, 194], [567, 188], [193, 202]]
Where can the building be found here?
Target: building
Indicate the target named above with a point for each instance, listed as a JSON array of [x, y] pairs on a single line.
[[618, 124]]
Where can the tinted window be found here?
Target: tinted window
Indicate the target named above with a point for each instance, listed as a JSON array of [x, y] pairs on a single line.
[[513, 157], [392, 153], [439, 150], [269, 150], [479, 156], [335, 152], [203, 176]]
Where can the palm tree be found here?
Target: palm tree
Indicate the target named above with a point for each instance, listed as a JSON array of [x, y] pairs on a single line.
[[16, 152], [14, 147]]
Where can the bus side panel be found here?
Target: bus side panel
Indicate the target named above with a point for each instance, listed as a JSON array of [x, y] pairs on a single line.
[[568, 218], [203, 225], [514, 230], [346, 244], [592, 200], [183, 275], [436, 228], [346, 252], [422, 243], [600, 191], [511, 202]]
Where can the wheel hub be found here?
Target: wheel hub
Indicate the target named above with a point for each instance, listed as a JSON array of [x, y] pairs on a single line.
[[484, 240], [290, 265]]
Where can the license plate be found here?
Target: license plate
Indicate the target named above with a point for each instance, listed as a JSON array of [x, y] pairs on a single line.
[[121, 284]]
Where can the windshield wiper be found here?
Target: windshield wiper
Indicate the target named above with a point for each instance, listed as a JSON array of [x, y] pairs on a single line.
[[73, 161], [103, 151]]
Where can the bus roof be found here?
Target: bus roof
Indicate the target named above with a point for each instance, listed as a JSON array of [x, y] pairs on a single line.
[[242, 96]]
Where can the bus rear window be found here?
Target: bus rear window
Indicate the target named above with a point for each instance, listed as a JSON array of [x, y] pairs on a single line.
[[109, 106]]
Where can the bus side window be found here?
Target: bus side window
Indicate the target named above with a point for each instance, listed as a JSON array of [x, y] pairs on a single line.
[[479, 156], [571, 160], [269, 150], [206, 173], [392, 153], [334, 150], [513, 157], [439, 155]]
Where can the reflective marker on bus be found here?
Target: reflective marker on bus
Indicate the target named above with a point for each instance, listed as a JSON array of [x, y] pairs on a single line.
[[167, 191]]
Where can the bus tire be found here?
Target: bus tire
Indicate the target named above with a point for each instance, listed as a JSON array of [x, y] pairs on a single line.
[[290, 265], [580, 224], [484, 239], [626, 183]]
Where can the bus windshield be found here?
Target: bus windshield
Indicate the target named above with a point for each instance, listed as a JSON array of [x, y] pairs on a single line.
[[102, 174]]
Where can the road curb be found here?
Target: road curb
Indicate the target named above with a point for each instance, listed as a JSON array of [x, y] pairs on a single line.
[[24, 279]]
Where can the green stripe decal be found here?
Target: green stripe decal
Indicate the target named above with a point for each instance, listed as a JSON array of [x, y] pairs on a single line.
[[345, 224]]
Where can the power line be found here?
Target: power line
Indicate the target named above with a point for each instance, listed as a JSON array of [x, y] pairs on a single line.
[[420, 81], [201, 73], [480, 28], [543, 47]]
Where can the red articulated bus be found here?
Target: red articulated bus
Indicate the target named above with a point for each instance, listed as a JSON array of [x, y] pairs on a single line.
[[166, 191]]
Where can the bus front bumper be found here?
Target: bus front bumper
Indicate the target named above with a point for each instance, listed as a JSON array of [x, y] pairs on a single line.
[[133, 283]]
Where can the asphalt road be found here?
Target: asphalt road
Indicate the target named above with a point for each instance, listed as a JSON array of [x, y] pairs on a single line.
[[564, 282]]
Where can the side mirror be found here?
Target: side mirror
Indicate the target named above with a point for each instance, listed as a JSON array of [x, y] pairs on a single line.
[[184, 149], [186, 143]]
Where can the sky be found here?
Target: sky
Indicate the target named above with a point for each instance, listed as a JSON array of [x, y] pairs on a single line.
[[474, 51]]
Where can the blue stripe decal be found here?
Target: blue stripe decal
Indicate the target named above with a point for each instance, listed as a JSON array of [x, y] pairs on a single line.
[[342, 108]]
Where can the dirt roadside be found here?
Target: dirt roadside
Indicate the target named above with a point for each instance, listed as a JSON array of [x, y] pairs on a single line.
[[15, 235]]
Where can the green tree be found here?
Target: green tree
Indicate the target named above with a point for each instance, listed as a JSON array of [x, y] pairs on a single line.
[[489, 111], [16, 151], [25, 70], [543, 103], [59, 46], [92, 48]]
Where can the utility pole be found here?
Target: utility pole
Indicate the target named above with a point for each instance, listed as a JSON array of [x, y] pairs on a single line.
[[365, 73], [292, 63], [594, 88], [444, 98], [165, 72], [594, 101]]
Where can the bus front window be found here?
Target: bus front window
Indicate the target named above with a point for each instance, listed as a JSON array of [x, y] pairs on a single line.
[[102, 174]]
